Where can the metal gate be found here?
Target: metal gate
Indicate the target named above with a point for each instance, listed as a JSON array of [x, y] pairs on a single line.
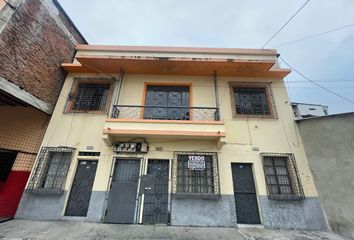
[[122, 196], [81, 189], [245, 194], [155, 190]]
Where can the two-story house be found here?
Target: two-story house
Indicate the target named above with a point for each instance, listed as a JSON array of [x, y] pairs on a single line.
[[169, 135]]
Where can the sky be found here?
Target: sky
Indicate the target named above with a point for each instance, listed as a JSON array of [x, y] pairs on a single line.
[[327, 59]]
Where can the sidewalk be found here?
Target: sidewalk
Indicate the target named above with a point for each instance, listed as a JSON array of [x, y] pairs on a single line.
[[26, 229]]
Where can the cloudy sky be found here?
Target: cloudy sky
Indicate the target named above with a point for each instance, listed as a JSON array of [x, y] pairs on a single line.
[[328, 59]]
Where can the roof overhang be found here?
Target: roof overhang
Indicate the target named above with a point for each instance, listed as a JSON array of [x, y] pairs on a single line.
[[195, 62]]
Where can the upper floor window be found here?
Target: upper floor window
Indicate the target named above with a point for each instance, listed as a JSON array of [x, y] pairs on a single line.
[[89, 96], [168, 102], [251, 100], [282, 178]]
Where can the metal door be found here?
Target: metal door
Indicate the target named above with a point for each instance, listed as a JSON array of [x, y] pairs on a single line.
[[122, 196], [156, 192], [81, 189], [245, 194]]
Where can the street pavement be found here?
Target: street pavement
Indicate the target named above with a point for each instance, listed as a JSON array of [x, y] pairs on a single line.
[[73, 230]]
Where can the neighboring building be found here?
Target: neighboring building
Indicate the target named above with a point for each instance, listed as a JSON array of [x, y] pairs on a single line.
[[180, 136], [35, 38], [329, 144], [306, 110]]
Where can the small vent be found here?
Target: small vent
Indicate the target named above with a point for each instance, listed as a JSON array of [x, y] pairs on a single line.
[[85, 154]]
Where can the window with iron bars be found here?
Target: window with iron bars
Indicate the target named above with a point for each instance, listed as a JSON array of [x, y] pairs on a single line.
[[282, 178], [251, 100], [89, 95], [50, 171], [195, 174]]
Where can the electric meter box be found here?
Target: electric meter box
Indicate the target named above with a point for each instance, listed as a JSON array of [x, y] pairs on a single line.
[[130, 147]]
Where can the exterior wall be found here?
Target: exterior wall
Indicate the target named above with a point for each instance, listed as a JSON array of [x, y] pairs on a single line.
[[329, 143], [22, 130], [35, 38], [245, 139], [34, 42]]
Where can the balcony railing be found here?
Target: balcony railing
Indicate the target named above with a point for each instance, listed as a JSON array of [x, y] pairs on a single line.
[[165, 113]]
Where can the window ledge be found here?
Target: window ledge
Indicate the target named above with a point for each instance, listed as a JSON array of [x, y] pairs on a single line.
[[206, 196], [286, 197], [50, 192]]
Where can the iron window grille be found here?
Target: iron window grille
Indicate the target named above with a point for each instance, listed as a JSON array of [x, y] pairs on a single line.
[[50, 171], [89, 154], [252, 100], [89, 96], [7, 159], [202, 182], [282, 177]]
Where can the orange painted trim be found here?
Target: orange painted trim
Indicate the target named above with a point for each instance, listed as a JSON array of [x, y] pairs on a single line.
[[86, 47], [165, 121], [166, 84], [163, 132]]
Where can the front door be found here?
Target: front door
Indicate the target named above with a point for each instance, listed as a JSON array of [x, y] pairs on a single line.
[[81, 189], [245, 194], [122, 196], [156, 192]]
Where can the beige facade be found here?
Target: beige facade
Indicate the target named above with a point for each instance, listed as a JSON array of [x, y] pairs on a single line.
[[239, 139]]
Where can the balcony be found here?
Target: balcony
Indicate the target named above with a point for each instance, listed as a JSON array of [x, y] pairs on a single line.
[[164, 122], [180, 113]]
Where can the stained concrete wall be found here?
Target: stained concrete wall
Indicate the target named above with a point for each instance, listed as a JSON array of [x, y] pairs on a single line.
[[329, 144]]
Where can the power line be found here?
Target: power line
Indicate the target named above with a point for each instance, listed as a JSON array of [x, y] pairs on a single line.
[[314, 35], [317, 84], [287, 22]]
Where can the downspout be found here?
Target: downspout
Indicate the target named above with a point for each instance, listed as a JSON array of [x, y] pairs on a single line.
[[121, 77], [217, 112], [115, 100]]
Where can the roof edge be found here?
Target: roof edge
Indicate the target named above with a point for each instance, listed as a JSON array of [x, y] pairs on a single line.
[[326, 116], [61, 9], [163, 49]]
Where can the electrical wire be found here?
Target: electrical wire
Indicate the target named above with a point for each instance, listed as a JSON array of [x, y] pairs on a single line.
[[314, 35], [317, 84], [286, 23]]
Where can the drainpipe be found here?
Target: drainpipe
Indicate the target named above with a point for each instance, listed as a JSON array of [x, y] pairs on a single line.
[[217, 112], [115, 100], [121, 77]]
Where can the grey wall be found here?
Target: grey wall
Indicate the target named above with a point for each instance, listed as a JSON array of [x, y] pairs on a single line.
[[201, 212], [306, 214], [329, 145], [50, 207]]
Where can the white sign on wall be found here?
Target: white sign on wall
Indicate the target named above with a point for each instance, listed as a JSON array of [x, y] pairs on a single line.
[[196, 162]]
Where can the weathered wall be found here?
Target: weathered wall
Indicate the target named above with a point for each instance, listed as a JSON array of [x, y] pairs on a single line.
[[21, 129], [33, 44], [329, 144]]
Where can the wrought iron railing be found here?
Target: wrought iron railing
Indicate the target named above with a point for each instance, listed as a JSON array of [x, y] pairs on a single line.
[[165, 113]]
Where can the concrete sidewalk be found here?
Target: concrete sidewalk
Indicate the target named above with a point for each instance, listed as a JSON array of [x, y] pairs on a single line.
[[26, 229]]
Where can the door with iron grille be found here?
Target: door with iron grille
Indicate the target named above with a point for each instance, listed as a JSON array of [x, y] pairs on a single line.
[[123, 192], [245, 194], [156, 192], [81, 189]]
